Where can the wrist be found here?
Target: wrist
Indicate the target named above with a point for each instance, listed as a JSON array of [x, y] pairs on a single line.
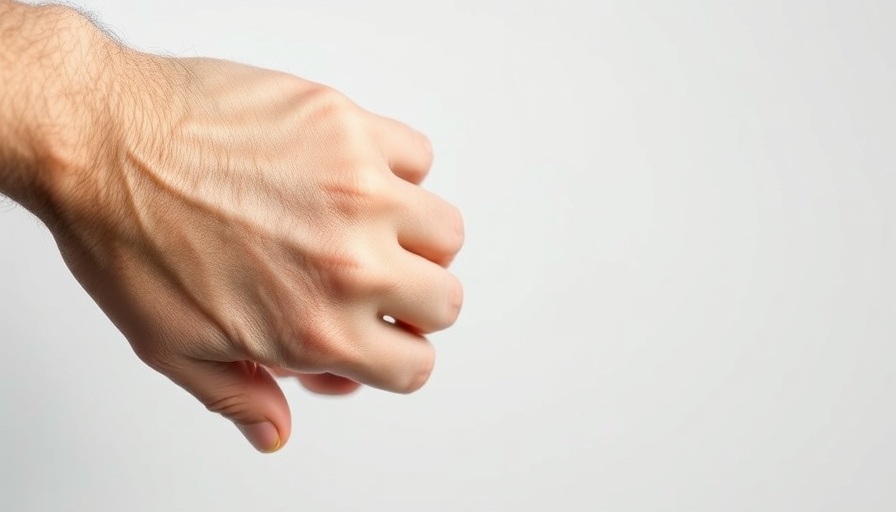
[[54, 101]]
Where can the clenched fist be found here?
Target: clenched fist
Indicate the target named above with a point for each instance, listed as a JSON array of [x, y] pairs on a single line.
[[233, 221]]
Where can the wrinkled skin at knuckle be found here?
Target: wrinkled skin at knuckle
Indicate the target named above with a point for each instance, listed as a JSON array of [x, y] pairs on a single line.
[[157, 355], [236, 406], [149, 355]]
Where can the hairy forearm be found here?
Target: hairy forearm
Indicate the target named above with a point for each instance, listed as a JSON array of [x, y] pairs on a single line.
[[51, 98]]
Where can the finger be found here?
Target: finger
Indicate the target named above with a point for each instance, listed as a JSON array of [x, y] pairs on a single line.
[[243, 392], [429, 226], [389, 358], [280, 372], [426, 297], [320, 383], [327, 384], [408, 152]]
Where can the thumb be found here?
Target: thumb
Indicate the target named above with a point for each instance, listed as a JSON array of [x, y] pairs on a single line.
[[243, 392]]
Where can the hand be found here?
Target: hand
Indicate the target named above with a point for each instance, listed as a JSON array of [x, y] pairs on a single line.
[[234, 219]]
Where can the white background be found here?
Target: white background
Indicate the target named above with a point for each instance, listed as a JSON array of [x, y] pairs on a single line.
[[679, 271]]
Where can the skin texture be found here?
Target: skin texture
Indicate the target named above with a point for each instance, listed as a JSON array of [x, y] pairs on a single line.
[[232, 222]]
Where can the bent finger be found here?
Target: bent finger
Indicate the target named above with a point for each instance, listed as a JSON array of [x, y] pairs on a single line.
[[426, 297], [408, 152], [390, 358], [429, 225]]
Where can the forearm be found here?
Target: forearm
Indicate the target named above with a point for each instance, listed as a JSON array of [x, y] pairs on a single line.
[[50, 98]]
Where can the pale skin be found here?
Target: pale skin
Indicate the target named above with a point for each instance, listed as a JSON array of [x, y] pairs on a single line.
[[232, 222]]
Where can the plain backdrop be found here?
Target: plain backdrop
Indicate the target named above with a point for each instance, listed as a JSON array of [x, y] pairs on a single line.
[[680, 284]]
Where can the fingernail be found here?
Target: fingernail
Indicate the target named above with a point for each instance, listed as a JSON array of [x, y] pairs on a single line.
[[263, 436]]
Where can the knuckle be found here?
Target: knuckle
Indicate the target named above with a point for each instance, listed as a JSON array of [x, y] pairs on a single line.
[[418, 379], [347, 278], [375, 283], [328, 343], [359, 194], [350, 274], [152, 357], [426, 147], [318, 341], [456, 301], [235, 405], [334, 348], [324, 96], [451, 307], [333, 112], [456, 229], [242, 335]]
